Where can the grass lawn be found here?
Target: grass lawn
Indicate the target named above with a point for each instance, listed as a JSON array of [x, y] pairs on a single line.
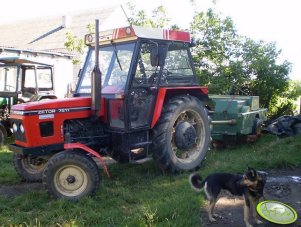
[[141, 195]]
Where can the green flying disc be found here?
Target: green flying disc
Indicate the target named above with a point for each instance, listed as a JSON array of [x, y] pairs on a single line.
[[276, 212]]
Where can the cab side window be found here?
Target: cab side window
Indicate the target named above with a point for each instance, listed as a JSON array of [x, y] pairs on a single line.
[[177, 68], [145, 73]]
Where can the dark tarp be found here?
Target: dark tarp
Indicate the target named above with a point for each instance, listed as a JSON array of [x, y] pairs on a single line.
[[285, 126]]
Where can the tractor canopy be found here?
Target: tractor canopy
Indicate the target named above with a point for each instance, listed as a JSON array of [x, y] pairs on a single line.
[[135, 32], [23, 79], [144, 52]]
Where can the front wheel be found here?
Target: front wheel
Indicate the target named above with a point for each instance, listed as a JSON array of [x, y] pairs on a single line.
[[70, 175], [29, 168], [182, 134]]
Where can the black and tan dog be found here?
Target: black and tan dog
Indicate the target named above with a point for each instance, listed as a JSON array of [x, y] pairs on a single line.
[[250, 186]]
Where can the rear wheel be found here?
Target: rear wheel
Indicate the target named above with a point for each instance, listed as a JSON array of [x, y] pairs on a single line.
[[29, 168], [181, 137], [70, 175]]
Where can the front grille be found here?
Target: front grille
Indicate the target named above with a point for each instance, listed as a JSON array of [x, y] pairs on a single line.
[[18, 134], [46, 128]]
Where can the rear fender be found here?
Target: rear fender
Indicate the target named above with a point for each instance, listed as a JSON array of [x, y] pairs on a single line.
[[167, 93]]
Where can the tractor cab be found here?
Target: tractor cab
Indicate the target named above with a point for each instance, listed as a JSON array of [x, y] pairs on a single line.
[[25, 80], [21, 80], [135, 62]]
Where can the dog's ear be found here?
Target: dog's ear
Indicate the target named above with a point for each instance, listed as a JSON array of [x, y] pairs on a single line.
[[251, 174], [252, 171], [263, 175]]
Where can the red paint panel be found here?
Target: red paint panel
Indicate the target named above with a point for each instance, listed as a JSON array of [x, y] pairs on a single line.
[[161, 98], [178, 35], [123, 33], [158, 106], [56, 111]]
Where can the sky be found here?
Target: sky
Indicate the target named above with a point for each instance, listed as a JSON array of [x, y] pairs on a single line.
[[269, 20]]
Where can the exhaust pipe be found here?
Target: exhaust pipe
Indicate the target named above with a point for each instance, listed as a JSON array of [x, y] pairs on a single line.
[[96, 77]]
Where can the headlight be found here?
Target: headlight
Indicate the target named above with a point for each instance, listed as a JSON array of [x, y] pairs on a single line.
[[22, 128], [15, 127]]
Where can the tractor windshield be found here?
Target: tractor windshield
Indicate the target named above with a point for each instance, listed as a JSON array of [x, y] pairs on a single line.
[[114, 64], [42, 76], [8, 78]]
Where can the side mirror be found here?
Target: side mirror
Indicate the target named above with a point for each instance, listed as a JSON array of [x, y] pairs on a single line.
[[156, 55], [154, 52], [192, 42]]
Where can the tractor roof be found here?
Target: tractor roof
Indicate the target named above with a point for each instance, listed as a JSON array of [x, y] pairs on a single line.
[[135, 32], [19, 61]]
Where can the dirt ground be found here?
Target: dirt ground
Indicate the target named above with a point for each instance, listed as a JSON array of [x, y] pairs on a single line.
[[282, 185]]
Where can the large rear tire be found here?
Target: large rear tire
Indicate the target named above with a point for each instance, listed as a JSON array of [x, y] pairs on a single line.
[[29, 168], [70, 175], [182, 134]]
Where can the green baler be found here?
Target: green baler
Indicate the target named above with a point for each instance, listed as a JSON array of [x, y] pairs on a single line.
[[235, 116]]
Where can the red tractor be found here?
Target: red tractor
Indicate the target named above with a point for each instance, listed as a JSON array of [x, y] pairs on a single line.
[[137, 97]]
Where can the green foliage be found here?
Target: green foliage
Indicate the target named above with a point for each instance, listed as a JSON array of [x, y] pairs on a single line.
[[228, 60], [158, 19], [75, 45], [268, 79], [285, 103], [217, 51], [7, 173], [91, 27]]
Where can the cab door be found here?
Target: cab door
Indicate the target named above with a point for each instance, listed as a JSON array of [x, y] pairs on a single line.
[[143, 89]]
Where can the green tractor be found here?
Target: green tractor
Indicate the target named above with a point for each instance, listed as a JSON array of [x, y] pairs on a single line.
[[21, 80]]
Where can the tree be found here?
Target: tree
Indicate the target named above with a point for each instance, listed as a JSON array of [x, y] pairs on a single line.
[[216, 51], [268, 79], [158, 19], [227, 60], [286, 103], [74, 45]]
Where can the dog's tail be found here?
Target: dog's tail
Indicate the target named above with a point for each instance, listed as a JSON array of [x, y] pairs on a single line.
[[196, 182]]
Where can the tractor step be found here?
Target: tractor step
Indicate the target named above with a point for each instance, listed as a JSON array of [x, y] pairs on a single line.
[[140, 161], [139, 145]]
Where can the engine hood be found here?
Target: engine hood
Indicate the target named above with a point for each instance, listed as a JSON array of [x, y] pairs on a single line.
[[54, 104]]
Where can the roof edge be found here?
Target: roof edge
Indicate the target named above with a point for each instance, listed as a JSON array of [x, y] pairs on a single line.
[[37, 52]]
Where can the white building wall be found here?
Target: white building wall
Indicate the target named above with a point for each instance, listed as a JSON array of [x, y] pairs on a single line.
[[63, 77]]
